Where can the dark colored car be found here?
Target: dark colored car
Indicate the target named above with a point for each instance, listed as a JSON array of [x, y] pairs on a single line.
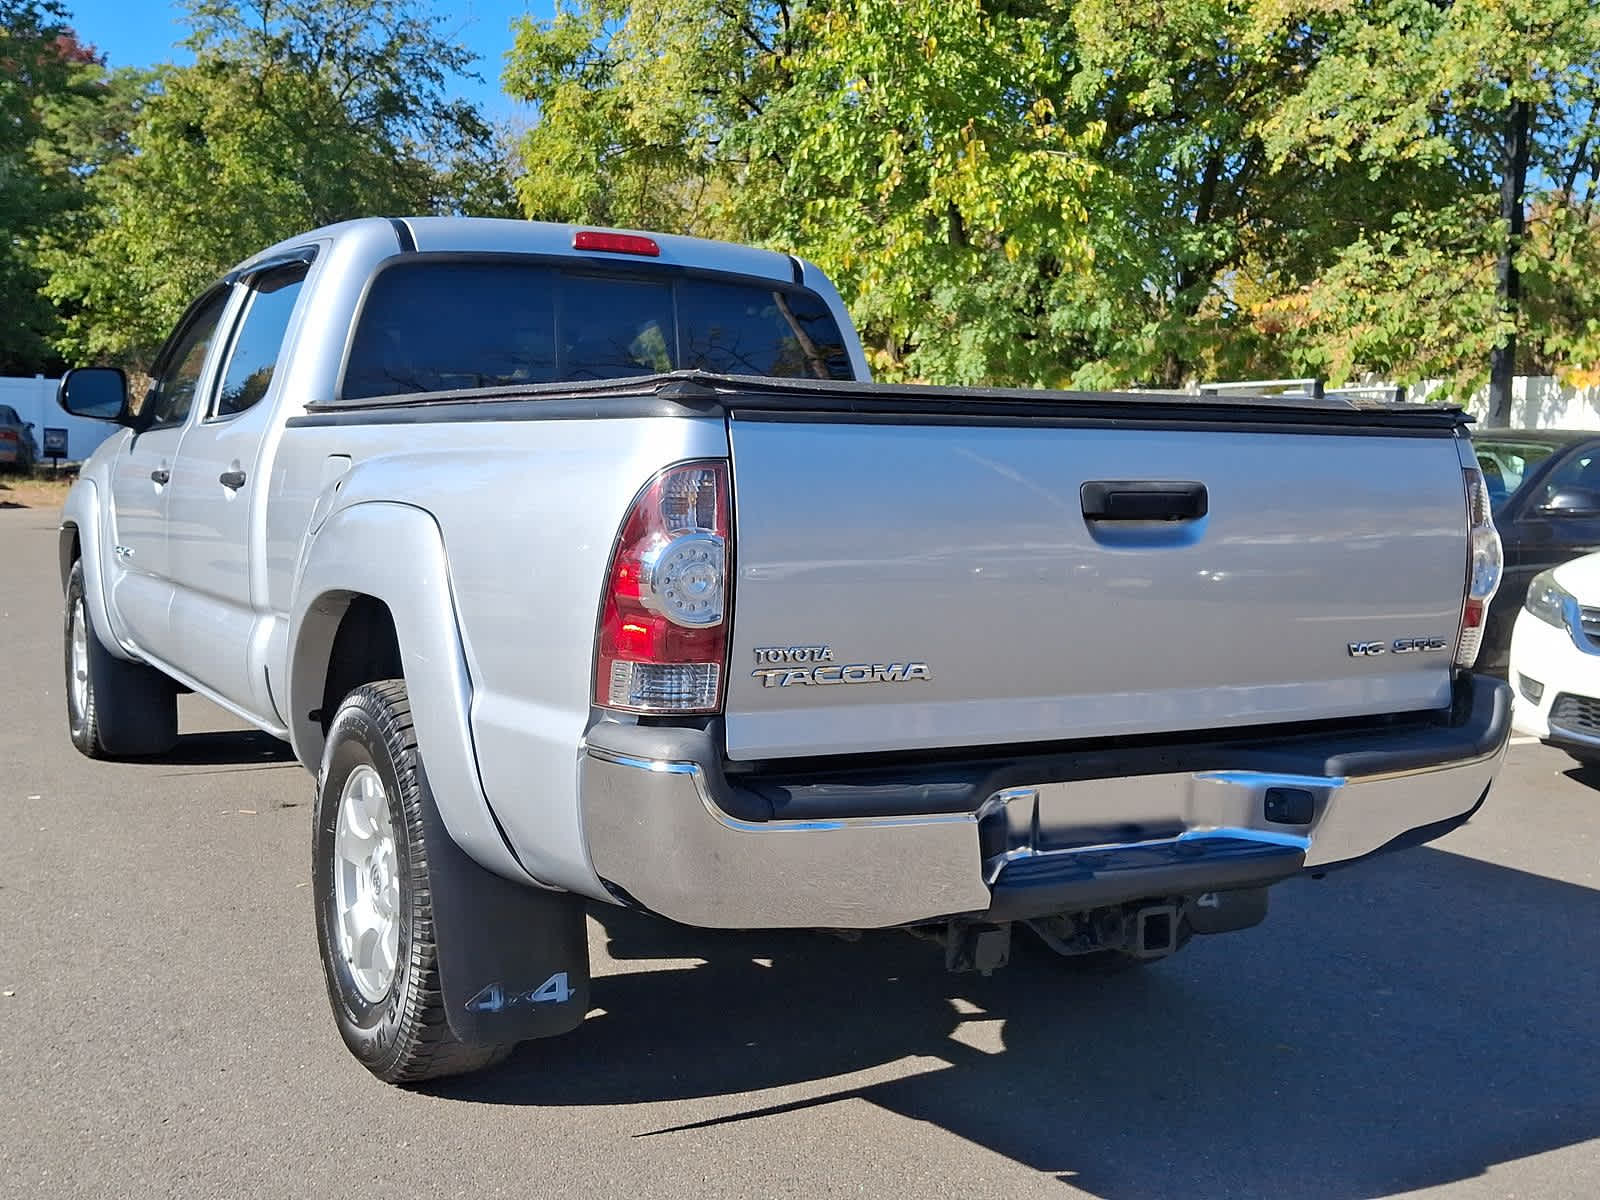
[[1545, 489], [17, 448]]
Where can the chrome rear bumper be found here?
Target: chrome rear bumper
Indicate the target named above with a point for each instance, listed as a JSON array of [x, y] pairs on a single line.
[[658, 837]]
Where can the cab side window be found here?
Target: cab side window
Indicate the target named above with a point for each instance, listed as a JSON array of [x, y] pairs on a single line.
[[254, 354], [178, 374]]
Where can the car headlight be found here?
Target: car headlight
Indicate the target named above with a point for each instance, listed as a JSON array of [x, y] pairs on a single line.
[[1547, 599]]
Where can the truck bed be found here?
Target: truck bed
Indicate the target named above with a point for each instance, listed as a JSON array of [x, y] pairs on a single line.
[[960, 556]]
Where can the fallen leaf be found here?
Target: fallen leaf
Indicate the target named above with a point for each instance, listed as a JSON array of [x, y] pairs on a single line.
[[7, 993]]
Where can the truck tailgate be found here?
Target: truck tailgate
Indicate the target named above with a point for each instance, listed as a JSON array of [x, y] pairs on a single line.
[[936, 583]]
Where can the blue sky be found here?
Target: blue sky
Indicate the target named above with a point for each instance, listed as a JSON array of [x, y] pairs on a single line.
[[137, 33]]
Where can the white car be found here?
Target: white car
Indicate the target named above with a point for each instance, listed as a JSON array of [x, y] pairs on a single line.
[[1555, 659]]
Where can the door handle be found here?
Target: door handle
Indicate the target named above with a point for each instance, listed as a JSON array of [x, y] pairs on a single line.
[[232, 480], [1143, 500], [160, 476]]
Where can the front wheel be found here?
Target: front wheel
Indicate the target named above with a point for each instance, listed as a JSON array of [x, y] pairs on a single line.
[[375, 926]]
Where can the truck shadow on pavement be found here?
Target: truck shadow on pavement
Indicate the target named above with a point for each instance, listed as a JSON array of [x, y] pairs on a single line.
[[226, 748], [1406, 1025], [1585, 776]]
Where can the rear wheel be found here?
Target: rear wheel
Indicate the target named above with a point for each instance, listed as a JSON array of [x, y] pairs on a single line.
[[115, 708], [375, 926]]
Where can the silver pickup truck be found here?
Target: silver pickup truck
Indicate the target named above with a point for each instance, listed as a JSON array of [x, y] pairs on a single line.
[[585, 566]]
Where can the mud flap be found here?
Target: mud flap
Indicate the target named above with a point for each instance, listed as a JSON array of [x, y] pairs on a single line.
[[1224, 912], [513, 960]]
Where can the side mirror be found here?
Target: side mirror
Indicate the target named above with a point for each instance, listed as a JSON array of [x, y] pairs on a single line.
[[100, 393], [1572, 502]]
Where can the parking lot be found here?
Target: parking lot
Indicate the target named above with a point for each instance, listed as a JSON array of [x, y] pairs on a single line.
[[1427, 1022]]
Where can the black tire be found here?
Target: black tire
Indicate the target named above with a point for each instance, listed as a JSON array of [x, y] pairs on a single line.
[[127, 710], [404, 1036]]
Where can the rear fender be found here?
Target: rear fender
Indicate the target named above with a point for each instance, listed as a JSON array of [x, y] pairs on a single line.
[[395, 553]]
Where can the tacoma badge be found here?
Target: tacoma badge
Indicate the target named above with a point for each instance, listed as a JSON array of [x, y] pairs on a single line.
[[798, 668]]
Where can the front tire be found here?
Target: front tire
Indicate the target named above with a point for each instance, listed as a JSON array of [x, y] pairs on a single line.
[[115, 708], [369, 866]]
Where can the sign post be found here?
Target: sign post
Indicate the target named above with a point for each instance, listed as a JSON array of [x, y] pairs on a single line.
[[55, 446]]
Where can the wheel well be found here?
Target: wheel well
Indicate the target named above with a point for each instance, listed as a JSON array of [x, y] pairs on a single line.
[[366, 648]]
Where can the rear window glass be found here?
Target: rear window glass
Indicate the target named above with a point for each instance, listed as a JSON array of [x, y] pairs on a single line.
[[428, 327]]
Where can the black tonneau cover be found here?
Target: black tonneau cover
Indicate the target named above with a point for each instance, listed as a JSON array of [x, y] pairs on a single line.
[[697, 393]]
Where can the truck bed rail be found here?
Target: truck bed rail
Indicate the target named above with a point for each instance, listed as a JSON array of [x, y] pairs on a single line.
[[684, 393]]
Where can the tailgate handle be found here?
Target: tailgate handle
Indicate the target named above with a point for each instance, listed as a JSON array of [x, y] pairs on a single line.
[[1142, 500]]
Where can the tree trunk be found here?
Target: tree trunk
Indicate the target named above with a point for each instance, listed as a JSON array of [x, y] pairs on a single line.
[[1513, 182]]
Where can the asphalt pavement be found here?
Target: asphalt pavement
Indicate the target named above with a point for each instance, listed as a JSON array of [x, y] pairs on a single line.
[[1426, 1022]]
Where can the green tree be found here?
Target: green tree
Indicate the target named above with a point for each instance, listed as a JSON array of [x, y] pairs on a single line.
[[1498, 99], [1037, 191], [912, 149], [1195, 214], [42, 67], [295, 113]]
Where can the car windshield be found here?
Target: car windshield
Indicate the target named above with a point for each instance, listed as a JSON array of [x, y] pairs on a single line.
[[1506, 465]]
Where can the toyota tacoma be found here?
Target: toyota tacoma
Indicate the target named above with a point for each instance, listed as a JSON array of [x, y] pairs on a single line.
[[588, 567]]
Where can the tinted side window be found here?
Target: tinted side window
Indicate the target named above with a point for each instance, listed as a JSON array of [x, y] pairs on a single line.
[[172, 393], [737, 329], [254, 354], [430, 327], [1580, 471], [1506, 464]]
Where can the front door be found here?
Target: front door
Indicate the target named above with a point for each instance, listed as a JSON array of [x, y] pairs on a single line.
[[216, 497], [1547, 537], [140, 576]]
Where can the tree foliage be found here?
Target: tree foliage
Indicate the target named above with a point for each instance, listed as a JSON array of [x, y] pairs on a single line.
[[49, 86], [1428, 87], [1090, 192], [294, 114], [1101, 191], [912, 148]]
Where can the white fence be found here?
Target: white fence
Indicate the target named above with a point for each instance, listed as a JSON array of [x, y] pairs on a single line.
[[1537, 402], [35, 401]]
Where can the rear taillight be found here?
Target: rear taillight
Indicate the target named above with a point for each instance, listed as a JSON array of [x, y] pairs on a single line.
[[662, 643], [1484, 561], [7, 435]]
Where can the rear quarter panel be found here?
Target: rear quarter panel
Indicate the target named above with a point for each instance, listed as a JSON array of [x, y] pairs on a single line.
[[529, 512]]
